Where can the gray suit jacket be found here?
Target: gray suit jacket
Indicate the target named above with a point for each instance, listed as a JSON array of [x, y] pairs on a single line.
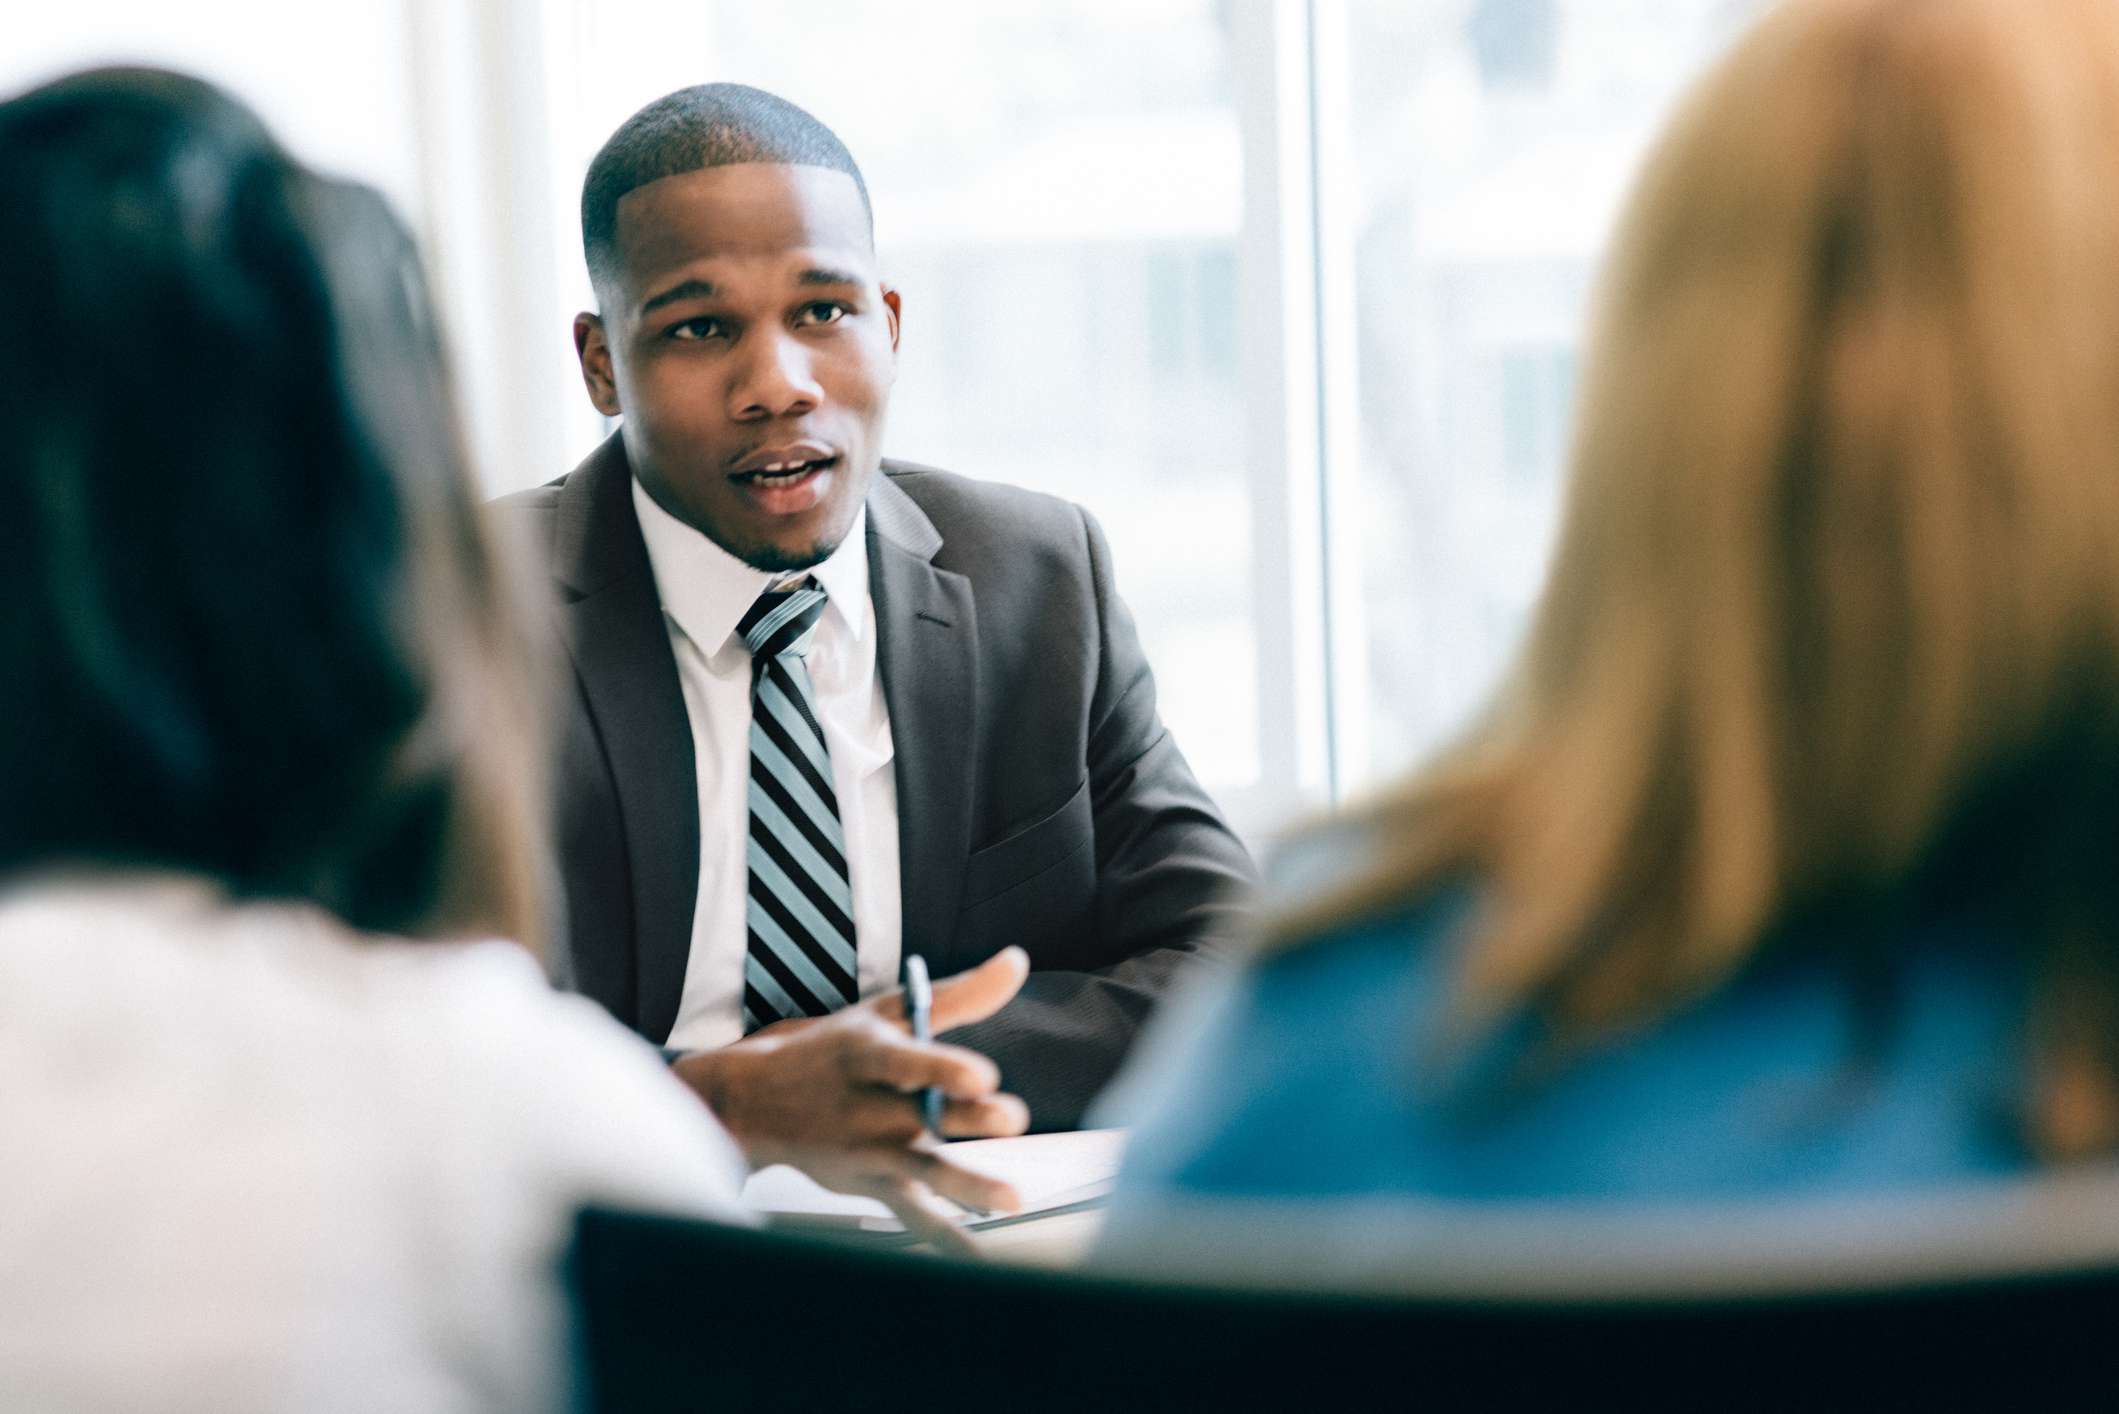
[[1040, 799]]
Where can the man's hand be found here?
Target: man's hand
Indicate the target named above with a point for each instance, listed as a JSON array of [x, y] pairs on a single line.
[[837, 1096]]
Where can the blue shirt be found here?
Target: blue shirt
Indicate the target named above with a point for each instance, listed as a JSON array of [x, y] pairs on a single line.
[[1322, 1073]]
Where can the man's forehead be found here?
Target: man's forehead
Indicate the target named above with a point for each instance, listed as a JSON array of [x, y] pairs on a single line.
[[777, 212]]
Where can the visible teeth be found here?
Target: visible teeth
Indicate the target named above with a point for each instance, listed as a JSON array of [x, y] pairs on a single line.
[[783, 471]]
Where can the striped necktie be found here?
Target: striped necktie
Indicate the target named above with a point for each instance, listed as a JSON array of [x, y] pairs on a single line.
[[800, 959]]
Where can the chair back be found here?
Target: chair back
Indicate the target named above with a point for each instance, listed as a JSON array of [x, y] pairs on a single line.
[[677, 1314]]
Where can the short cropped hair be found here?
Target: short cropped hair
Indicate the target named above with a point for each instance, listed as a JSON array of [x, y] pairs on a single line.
[[708, 125]]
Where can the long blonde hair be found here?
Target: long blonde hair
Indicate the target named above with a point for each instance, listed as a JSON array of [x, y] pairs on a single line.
[[1836, 600]]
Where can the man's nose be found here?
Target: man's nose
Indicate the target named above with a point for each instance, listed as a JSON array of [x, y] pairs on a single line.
[[775, 381]]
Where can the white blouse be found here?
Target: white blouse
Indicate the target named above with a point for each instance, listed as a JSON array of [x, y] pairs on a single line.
[[249, 1160]]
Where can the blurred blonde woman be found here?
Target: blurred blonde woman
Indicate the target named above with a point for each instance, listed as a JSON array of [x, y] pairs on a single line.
[[276, 1130], [1786, 863]]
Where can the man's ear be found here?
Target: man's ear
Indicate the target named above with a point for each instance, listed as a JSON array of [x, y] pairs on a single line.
[[594, 352], [894, 308]]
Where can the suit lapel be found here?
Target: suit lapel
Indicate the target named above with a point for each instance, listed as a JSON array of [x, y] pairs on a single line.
[[927, 648], [612, 625]]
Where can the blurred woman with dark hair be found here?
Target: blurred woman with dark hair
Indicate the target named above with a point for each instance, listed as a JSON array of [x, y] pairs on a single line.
[[1783, 865], [279, 1133]]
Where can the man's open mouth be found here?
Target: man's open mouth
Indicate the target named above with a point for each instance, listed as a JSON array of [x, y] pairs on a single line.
[[784, 473]]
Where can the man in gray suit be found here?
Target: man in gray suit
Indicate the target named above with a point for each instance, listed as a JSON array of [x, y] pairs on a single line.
[[822, 717]]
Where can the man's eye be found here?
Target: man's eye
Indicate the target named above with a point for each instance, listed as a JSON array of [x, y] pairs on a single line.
[[706, 326], [823, 311]]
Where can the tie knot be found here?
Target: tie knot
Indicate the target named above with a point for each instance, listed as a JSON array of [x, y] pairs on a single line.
[[782, 622]]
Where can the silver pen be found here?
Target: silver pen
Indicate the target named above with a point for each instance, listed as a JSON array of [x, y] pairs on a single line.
[[919, 1016]]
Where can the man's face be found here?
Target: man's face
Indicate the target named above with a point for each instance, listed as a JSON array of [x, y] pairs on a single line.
[[748, 345]]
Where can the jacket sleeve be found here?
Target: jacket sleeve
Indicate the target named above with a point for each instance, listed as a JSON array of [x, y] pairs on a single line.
[[1172, 885]]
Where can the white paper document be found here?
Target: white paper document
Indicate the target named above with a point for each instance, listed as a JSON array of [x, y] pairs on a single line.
[[1053, 1173]]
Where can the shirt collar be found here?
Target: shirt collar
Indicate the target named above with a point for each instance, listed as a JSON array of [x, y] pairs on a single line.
[[707, 590]]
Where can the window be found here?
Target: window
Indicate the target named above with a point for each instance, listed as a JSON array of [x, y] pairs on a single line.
[[332, 80], [1490, 147]]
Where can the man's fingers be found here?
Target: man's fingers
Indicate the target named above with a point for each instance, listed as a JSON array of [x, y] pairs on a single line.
[[968, 996], [924, 1215], [971, 1189], [885, 1172], [893, 1117], [933, 1169], [989, 1117], [882, 1056], [982, 991], [912, 1183]]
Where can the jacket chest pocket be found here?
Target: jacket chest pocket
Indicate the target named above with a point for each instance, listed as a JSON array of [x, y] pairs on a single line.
[[1030, 851]]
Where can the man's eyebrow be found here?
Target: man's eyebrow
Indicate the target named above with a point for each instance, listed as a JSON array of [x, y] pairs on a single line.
[[818, 275], [683, 289]]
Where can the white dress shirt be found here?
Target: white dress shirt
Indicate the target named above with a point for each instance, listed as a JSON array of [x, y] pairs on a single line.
[[250, 1160], [705, 592]]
